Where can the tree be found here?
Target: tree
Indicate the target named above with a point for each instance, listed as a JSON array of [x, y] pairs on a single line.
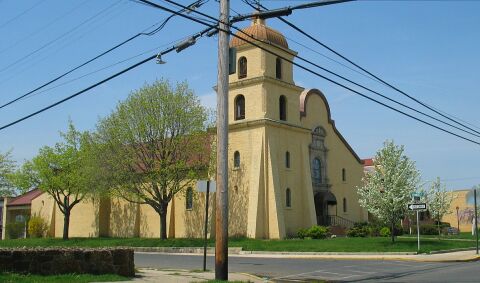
[[387, 190], [60, 171], [154, 145], [7, 167], [439, 201]]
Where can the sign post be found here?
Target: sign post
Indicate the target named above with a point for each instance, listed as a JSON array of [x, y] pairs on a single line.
[[417, 207], [476, 217], [204, 186]]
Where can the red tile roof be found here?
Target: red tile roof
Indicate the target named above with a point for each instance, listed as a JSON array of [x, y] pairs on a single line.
[[26, 198], [367, 162]]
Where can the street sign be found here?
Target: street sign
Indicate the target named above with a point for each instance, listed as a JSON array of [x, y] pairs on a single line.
[[202, 186], [417, 206]]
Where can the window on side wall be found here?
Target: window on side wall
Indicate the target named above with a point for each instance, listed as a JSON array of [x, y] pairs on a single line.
[[189, 199], [288, 198], [344, 205], [236, 159]]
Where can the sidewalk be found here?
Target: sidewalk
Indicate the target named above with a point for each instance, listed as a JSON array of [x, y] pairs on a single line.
[[185, 276], [459, 256], [439, 256]]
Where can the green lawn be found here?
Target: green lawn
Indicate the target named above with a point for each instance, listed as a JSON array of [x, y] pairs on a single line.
[[328, 245], [71, 278]]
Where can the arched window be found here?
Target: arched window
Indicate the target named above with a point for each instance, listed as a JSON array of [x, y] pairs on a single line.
[[242, 67], [288, 198], [344, 175], [278, 68], [344, 205], [317, 171], [287, 159], [239, 107], [189, 199], [236, 159], [283, 107]]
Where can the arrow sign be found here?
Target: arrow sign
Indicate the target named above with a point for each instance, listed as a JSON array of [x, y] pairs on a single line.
[[417, 206]]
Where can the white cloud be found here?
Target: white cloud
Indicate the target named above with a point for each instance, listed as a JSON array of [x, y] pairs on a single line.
[[209, 100]]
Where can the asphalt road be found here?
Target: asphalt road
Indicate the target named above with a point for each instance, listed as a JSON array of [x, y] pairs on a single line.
[[307, 270]]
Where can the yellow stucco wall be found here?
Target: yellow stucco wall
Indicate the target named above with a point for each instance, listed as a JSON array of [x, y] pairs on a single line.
[[44, 206], [257, 188], [465, 212]]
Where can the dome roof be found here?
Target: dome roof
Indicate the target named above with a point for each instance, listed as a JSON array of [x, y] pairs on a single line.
[[261, 32]]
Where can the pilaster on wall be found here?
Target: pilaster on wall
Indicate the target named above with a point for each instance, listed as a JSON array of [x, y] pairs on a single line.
[[256, 197], [275, 203], [309, 201], [4, 217]]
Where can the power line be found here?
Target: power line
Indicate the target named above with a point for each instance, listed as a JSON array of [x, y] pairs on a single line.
[[65, 42], [21, 14], [379, 94], [371, 74], [104, 68], [305, 68], [175, 47], [37, 31], [143, 32], [59, 37]]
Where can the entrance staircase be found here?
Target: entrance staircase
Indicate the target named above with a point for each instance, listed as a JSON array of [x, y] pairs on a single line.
[[339, 225]]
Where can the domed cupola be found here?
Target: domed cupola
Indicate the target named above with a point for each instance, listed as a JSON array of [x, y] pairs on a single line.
[[260, 32]]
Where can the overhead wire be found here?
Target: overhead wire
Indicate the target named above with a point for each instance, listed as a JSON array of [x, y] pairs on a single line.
[[305, 68], [431, 108], [65, 42], [105, 67], [380, 94], [25, 57], [21, 14], [161, 24], [37, 31]]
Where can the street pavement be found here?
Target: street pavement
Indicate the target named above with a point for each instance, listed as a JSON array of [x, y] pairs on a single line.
[[286, 269]]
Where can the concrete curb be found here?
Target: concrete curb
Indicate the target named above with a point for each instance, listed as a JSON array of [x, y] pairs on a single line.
[[182, 250], [397, 256], [240, 251], [324, 253], [452, 250]]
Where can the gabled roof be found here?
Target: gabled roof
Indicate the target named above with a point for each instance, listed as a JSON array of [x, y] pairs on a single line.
[[367, 162], [26, 198]]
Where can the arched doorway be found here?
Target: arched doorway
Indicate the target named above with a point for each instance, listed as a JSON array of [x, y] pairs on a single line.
[[325, 206]]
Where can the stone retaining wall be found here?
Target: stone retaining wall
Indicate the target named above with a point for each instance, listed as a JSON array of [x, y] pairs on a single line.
[[47, 261]]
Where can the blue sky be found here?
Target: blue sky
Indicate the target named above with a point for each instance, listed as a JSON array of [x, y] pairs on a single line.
[[429, 49]]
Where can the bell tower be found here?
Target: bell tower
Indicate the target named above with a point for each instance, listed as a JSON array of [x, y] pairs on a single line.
[[262, 77], [263, 114]]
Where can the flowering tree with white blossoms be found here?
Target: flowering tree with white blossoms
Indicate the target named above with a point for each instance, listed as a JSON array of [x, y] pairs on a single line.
[[387, 190], [439, 201]]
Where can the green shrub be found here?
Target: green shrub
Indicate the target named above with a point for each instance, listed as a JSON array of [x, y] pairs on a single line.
[[302, 233], [385, 232], [37, 227], [358, 232], [317, 232], [15, 230], [314, 232], [426, 229]]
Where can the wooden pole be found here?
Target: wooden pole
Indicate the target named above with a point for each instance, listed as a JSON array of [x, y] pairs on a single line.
[[221, 219]]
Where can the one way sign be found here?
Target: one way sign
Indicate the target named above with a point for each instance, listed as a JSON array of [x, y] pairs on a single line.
[[417, 206]]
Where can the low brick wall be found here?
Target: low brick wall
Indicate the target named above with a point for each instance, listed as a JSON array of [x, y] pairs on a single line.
[[48, 261]]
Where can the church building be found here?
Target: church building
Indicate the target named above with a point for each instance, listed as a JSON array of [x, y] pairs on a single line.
[[290, 168]]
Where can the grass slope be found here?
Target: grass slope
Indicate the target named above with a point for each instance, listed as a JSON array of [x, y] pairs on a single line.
[[71, 278], [294, 245]]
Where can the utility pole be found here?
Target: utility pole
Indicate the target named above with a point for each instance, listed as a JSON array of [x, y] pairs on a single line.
[[221, 219]]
